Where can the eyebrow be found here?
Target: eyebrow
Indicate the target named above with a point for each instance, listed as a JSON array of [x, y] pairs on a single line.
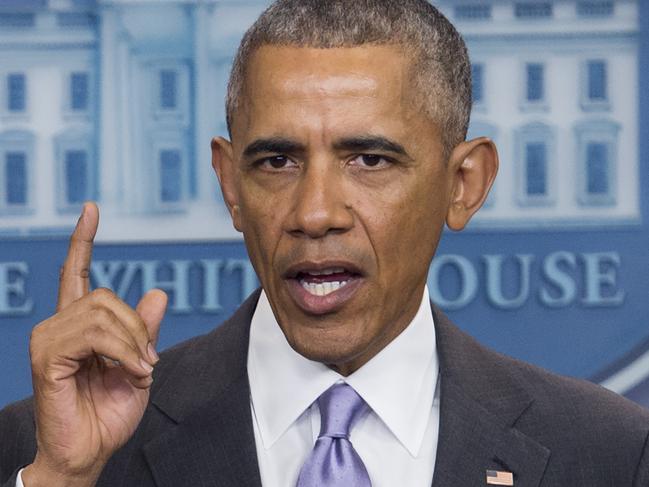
[[276, 145], [370, 143], [362, 143]]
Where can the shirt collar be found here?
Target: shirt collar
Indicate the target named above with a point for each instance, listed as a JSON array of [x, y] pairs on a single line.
[[398, 383]]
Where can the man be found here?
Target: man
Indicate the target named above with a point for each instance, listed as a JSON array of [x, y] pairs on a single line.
[[347, 121]]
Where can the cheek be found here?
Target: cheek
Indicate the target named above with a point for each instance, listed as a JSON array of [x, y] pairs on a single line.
[[404, 224], [262, 227], [258, 207]]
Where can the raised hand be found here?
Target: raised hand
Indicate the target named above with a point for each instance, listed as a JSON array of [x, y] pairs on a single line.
[[91, 370]]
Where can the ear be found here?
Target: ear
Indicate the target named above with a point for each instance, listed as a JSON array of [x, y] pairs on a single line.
[[224, 167], [474, 164]]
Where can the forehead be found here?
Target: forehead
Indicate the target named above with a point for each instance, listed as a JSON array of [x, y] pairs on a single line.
[[335, 86], [287, 68]]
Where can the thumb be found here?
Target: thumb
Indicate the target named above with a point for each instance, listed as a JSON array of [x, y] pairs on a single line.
[[151, 309]]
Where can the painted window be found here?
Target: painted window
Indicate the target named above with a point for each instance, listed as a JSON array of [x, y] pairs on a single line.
[[79, 91], [535, 82], [595, 8], [596, 75], [597, 168], [170, 97], [25, 5], [477, 75], [534, 153], [76, 180], [532, 10], [170, 176], [75, 19], [17, 20], [595, 85], [15, 178], [597, 149], [16, 149], [76, 176], [168, 89], [536, 169], [473, 11], [16, 92]]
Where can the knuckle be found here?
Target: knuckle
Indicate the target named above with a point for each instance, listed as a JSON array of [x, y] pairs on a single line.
[[38, 359], [38, 372], [36, 333], [75, 239], [102, 294], [93, 333], [143, 383], [84, 272], [35, 356], [100, 314], [39, 337], [141, 327], [39, 367]]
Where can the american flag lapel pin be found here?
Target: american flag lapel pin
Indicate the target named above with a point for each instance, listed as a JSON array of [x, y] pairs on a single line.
[[497, 477]]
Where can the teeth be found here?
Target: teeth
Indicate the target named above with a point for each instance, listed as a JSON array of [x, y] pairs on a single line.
[[323, 288], [326, 272]]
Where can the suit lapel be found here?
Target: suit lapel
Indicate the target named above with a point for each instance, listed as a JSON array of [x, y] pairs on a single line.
[[473, 440], [212, 447], [479, 407], [211, 442]]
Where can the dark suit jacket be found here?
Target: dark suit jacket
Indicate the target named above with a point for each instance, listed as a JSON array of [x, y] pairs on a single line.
[[496, 413]]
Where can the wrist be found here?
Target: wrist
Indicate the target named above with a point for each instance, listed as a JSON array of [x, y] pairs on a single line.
[[41, 475]]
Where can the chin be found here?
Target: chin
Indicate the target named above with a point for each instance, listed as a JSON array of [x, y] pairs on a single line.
[[329, 350]]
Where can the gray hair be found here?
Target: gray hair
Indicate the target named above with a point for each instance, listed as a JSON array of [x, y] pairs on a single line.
[[441, 68]]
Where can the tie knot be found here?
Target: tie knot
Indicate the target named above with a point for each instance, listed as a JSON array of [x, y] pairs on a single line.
[[340, 408]]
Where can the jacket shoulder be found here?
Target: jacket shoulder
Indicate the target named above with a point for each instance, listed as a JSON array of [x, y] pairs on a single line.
[[559, 408]]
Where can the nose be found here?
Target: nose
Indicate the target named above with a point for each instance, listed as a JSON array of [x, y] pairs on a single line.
[[320, 206]]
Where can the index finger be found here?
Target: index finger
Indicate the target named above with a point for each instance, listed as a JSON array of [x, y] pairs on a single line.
[[74, 281]]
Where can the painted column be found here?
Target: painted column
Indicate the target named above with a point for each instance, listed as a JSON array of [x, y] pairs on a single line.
[[109, 183], [204, 122]]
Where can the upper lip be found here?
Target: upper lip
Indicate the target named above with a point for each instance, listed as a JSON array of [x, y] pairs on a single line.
[[305, 266]]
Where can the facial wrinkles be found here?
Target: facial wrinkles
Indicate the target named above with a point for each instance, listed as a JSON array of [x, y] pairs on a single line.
[[318, 120], [254, 238], [333, 86], [315, 91]]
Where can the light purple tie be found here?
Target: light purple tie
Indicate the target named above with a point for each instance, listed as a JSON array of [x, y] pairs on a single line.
[[333, 462]]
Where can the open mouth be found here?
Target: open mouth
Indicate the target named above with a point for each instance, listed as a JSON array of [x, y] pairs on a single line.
[[323, 287], [326, 281]]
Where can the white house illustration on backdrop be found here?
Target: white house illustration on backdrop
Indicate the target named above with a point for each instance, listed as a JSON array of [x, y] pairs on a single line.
[[116, 100]]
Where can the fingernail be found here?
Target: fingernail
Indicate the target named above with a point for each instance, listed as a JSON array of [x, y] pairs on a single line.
[[152, 353], [147, 367]]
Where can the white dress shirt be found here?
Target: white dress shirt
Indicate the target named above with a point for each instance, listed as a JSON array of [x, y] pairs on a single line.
[[397, 440]]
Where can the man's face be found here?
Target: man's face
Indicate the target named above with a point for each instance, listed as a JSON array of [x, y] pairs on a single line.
[[337, 180]]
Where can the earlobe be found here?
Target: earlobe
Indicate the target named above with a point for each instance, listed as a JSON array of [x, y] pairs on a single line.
[[475, 164], [223, 164]]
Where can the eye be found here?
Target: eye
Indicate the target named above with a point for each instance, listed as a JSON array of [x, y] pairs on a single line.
[[276, 163], [371, 161]]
